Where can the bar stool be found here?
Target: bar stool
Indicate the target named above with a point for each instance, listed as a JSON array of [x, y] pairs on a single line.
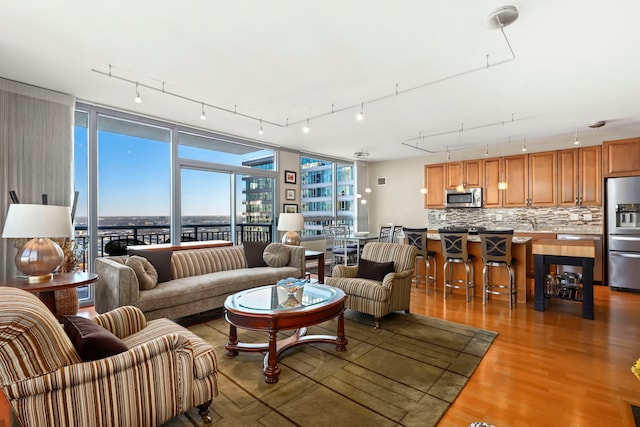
[[454, 251], [418, 238], [496, 252]]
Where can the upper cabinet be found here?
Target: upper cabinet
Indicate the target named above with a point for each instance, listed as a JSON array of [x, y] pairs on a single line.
[[622, 158], [516, 173], [434, 182], [580, 177], [543, 176], [468, 173], [492, 175]]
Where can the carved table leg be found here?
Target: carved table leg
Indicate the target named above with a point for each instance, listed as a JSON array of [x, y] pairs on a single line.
[[341, 340], [233, 340], [272, 370]]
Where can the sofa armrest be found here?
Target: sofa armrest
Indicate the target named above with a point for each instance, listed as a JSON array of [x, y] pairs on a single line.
[[117, 285], [349, 271], [392, 278], [297, 259], [123, 321]]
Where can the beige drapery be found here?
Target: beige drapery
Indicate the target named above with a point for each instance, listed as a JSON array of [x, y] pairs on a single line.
[[36, 152]]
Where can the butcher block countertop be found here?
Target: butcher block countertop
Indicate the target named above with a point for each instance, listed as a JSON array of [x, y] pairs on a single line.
[[573, 248]]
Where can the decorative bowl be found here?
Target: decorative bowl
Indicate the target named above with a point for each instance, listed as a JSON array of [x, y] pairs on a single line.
[[291, 284]]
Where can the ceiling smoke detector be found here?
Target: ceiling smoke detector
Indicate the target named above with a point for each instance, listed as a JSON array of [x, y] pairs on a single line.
[[502, 17], [361, 154], [598, 124]]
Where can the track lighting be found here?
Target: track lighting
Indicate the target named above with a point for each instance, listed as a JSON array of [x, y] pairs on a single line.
[[367, 190], [448, 154], [576, 141], [305, 129], [137, 100], [524, 145], [260, 131], [360, 115], [486, 151], [423, 190], [203, 116]]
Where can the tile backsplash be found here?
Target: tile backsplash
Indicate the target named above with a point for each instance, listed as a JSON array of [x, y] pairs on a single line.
[[578, 219]]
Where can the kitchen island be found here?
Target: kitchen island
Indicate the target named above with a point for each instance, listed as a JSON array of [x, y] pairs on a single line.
[[521, 252]]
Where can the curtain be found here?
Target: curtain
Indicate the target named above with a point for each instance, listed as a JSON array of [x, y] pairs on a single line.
[[36, 152]]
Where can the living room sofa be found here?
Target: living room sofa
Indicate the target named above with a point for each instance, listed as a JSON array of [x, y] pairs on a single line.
[[200, 279]]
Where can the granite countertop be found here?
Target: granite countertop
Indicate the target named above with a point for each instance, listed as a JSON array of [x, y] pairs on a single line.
[[475, 238]]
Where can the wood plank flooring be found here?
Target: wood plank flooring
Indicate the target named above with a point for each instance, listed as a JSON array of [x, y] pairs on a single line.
[[550, 368]]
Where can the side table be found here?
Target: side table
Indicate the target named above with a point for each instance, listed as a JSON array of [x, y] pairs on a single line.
[[319, 256], [46, 290]]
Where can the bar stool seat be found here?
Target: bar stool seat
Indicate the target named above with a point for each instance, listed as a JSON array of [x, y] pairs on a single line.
[[418, 238], [454, 251], [496, 253]]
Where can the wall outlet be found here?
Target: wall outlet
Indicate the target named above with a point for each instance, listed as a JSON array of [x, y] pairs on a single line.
[[443, 217], [499, 217], [587, 217], [573, 217]]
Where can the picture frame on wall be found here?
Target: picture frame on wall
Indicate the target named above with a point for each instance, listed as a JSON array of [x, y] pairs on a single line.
[[290, 208], [289, 177], [290, 194]]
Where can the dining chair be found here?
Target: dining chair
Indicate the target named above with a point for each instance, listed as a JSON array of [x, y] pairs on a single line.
[[385, 233]]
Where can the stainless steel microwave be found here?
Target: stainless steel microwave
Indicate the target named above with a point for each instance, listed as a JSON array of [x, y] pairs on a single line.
[[467, 198]]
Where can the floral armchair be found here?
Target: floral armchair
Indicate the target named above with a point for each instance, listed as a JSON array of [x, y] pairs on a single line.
[[378, 296], [163, 371]]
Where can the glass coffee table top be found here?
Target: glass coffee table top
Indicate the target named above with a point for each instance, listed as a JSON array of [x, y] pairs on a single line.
[[273, 297]]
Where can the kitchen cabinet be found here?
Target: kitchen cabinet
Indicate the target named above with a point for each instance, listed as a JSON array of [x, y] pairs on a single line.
[[579, 177], [468, 173], [531, 180], [622, 157], [434, 182], [492, 175]]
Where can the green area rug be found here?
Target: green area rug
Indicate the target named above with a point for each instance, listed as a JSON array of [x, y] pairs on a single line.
[[406, 373]]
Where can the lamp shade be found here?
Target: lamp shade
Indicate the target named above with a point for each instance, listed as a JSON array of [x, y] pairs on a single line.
[[290, 222], [29, 221]]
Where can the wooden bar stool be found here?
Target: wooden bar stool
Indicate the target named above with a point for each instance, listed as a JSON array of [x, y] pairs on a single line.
[[496, 252], [418, 238], [454, 251]]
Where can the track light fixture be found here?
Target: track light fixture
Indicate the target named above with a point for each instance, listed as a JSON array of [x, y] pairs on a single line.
[[576, 141], [486, 151], [137, 99], [360, 115], [203, 116], [260, 131], [305, 129], [524, 145]]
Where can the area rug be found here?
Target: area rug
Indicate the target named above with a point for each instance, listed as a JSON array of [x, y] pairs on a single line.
[[406, 373]]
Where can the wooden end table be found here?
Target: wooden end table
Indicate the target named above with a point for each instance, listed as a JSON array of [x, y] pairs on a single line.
[[270, 309], [46, 290]]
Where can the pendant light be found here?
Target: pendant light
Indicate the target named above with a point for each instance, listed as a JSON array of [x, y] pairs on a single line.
[[137, 100], [502, 184], [576, 141]]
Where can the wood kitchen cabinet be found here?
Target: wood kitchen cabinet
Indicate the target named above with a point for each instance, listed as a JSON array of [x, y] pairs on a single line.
[[531, 180], [468, 173], [434, 182], [622, 157], [492, 175], [579, 177]]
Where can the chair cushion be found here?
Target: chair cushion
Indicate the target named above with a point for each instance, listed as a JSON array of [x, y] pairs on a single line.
[[145, 272], [374, 270], [161, 261], [276, 255], [91, 340], [254, 251]]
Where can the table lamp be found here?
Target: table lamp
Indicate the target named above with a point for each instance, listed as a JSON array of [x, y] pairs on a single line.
[[40, 256], [291, 223]]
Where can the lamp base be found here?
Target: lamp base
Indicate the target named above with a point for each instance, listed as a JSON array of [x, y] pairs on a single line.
[[291, 238], [38, 258]]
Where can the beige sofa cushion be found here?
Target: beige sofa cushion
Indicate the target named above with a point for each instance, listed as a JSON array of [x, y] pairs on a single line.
[[145, 271]]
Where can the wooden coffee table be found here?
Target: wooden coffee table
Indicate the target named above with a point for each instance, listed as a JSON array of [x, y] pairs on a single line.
[[272, 309]]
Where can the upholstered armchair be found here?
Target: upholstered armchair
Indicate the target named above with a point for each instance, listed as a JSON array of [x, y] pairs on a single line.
[[163, 371], [390, 291]]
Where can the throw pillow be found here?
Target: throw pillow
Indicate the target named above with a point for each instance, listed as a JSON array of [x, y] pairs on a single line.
[[253, 252], [374, 270], [161, 261], [145, 271], [91, 341], [276, 255]]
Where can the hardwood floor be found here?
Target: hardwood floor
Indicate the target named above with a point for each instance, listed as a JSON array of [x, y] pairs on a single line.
[[550, 368]]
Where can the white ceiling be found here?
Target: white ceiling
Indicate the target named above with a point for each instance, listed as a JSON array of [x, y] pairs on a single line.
[[576, 62]]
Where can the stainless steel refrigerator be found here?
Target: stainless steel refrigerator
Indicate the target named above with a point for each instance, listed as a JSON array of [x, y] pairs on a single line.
[[623, 233]]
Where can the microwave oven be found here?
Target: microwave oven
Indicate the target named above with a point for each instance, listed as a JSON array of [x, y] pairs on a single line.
[[467, 198]]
